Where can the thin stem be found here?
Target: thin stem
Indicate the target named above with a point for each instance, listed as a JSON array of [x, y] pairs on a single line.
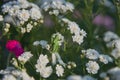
[[8, 60]]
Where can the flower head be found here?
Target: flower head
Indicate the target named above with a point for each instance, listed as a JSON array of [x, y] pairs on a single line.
[[15, 47]]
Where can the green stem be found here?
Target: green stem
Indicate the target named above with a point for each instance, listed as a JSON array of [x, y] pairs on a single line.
[[8, 59]]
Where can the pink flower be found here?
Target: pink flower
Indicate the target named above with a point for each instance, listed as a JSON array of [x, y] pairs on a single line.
[[98, 20], [15, 47], [105, 21]]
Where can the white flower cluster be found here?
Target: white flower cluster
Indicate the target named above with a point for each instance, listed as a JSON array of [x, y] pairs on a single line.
[[109, 37], [57, 6], [44, 44], [105, 59], [25, 57], [44, 70], [59, 37], [41, 66], [59, 70], [12, 74], [78, 77], [78, 34], [93, 55], [6, 27], [21, 11], [113, 40], [115, 73], [92, 67]]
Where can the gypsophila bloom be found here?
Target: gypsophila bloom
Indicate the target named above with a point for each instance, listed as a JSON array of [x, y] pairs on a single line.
[[23, 15], [43, 43], [117, 44], [91, 53], [29, 27], [71, 65], [73, 27], [78, 34], [41, 66], [35, 13], [25, 57], [21, 11], [87, 77], [23, 30], [1, 18], [14, 62], [9, 77], [46, 71], [36, 43], [105, 59], [114, 73], [115, 53], [109, 36], [92, 67], [74, 77], [59, 70], [42, 61], [61, 6], [10, 73]]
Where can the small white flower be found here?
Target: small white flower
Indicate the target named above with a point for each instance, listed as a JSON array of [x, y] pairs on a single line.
[[14, 62], [114, 73], [7, 25], [73, 27], [78, 39], [23, 30], [117, 44], [29, 27], [92, 67], [43, 60], [41, 66], [71, 65], [109, 36], [91, 54], [46, 71], [6, 30], [36, 43], [70, 6], [105, 59], [65, 20], [74, 77], [23, 15], [43, 43], [35, 13], [25, 57], [1, 18], [59, 70], [9, 77], [115, 53]]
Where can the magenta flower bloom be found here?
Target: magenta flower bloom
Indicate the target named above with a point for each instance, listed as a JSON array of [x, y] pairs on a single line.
[[15, 47]]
